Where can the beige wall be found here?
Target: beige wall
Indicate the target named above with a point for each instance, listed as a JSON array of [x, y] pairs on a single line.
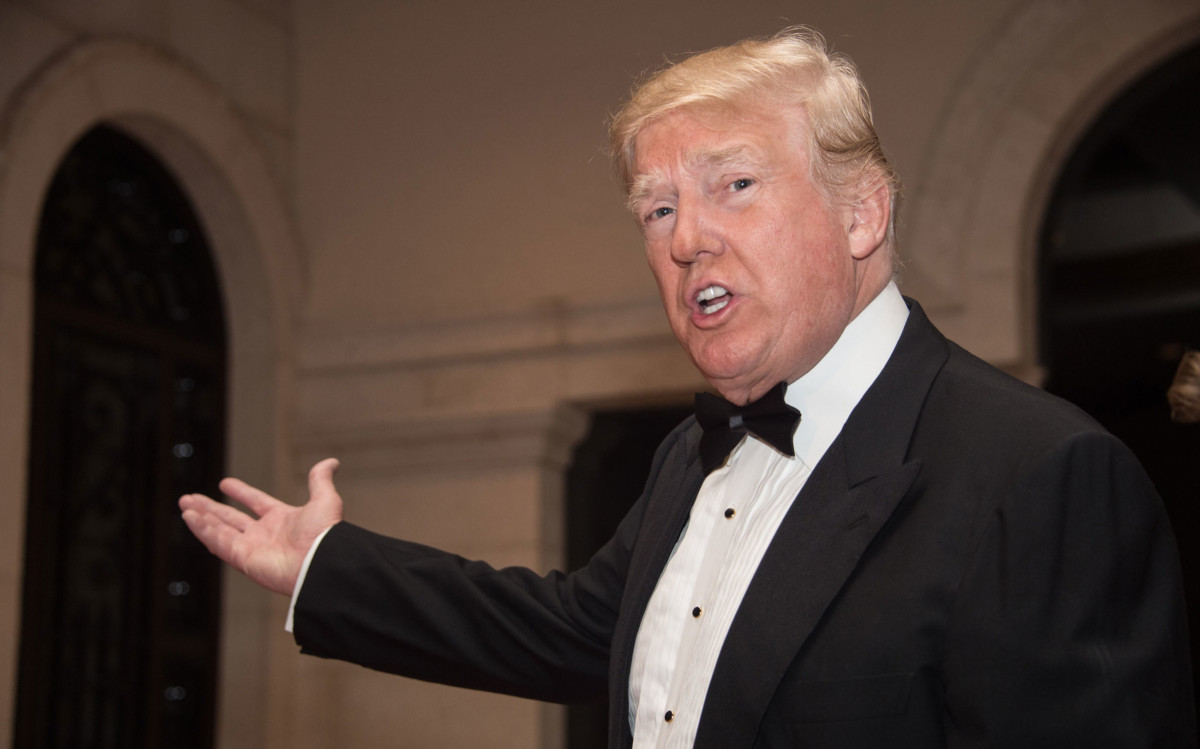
[[416, 227]]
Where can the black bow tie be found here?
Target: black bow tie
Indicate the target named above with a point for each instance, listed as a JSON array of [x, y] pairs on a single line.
[[769, 418]]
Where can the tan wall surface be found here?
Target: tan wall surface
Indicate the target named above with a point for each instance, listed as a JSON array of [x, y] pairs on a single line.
[[465, 178]]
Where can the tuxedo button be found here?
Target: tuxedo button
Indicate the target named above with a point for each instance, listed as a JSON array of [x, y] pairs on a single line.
[[696, 612], [730, 512], [669, 716]]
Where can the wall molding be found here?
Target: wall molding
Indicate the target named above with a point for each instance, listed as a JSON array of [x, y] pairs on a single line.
[[327, 350], [543, 439]]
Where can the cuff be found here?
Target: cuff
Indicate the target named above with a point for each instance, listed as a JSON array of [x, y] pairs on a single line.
[[289, 625]]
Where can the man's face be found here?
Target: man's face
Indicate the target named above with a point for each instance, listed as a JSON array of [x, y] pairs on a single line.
[[759, 275]]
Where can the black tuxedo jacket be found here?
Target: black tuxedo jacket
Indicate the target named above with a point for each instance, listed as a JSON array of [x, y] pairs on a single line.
[[973, 563]]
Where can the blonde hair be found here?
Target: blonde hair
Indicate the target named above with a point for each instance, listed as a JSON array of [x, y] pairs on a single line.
[[793, 67], [1184, 393]]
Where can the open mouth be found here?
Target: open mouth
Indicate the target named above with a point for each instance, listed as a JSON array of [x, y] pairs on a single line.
[[713, 299]]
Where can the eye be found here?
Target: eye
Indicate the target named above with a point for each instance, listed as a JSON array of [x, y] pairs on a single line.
[[660, 212], [740, 184]]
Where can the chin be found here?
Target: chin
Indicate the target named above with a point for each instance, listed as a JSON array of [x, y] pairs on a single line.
[[729, 381], [726, 363]]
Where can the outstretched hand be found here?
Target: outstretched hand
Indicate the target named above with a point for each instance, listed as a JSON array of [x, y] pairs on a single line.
[[269, 546]]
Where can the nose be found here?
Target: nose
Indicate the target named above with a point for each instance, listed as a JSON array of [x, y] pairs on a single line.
[[694, 235]]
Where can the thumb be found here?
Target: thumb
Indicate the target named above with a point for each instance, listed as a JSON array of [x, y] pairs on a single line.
[[322, 492], [320, 481]]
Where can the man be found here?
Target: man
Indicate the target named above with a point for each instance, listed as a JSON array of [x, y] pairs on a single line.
[[935, 555]]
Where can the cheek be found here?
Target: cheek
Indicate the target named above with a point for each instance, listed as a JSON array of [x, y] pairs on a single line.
[[654, 258], [666, 274], [810, 285]]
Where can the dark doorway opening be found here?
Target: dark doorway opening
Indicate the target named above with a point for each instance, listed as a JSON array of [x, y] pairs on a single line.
[[1120, 285], [606, 477], [120, 606]]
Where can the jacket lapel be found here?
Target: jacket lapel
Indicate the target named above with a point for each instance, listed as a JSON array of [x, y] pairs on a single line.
[[814, 551], [849, 497]]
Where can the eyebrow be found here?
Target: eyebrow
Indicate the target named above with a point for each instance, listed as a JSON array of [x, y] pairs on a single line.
[[646, 182]]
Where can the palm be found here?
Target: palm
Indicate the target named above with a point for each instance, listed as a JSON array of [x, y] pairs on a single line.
[[269, 546]]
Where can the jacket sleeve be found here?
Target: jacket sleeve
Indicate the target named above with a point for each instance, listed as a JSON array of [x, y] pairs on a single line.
[[409, 609], [1069, 629]]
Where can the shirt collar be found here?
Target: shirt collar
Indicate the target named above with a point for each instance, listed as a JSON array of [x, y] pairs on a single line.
[[827, 394]]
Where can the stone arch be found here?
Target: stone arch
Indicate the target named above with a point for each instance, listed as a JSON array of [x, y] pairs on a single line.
[[979, 199], [198, 133]]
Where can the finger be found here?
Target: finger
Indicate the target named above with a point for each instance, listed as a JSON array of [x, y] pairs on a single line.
[[217, 537], [230, 516], [320, 477], [259, 502], [193, 502], [220, 511], [203, 505]]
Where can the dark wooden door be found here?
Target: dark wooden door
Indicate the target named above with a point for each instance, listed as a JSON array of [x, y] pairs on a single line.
[[120, 606]]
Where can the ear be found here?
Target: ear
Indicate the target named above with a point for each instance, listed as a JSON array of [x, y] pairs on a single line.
[[869, 220]]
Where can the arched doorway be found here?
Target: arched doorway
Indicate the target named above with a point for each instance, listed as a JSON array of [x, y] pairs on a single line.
[[120, 606], [1119, 284]]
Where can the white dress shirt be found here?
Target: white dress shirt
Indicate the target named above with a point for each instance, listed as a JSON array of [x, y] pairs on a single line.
[[735, 516]]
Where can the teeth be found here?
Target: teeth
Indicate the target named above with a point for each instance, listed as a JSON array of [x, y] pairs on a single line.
[[708, 295]]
